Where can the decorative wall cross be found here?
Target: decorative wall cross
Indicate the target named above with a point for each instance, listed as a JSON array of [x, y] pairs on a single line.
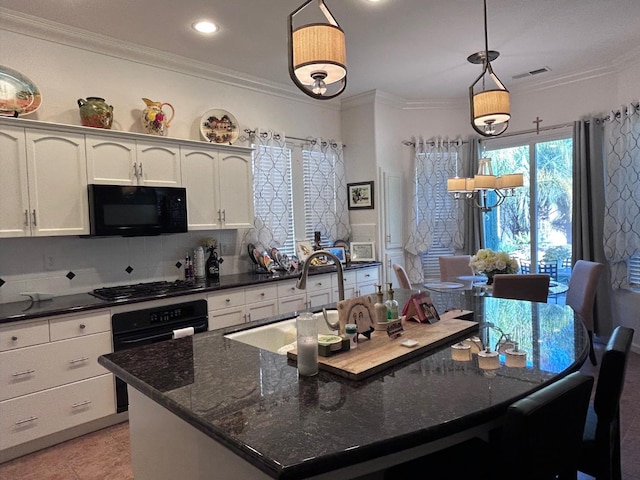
[[537, 121]]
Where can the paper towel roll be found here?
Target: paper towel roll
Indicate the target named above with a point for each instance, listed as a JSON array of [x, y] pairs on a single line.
[[183, 332]]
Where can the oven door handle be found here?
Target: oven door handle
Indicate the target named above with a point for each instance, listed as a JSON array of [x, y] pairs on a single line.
[[165, 335]]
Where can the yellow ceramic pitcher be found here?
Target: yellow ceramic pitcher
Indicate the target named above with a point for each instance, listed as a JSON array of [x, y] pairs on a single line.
[[154, 120]]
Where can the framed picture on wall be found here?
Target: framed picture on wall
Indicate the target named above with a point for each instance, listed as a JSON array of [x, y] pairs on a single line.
[[363, 252], [360, 195]]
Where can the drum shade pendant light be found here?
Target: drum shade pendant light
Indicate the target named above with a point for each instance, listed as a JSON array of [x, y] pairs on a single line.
[[318, 55], [490, 107]]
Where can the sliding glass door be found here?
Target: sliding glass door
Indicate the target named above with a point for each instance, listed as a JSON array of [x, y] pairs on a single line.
[[535, 224]]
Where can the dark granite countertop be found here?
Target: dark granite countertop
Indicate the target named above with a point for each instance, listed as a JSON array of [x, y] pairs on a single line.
[[66, 304], [253, 402]]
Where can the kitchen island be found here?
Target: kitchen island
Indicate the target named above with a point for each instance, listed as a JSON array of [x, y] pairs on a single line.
[[211, 407]]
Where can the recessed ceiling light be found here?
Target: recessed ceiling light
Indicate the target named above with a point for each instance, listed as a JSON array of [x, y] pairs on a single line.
[[205, 27]]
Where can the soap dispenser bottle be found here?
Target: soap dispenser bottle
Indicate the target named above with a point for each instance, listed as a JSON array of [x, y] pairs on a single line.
[[392, 305], [380, 308]]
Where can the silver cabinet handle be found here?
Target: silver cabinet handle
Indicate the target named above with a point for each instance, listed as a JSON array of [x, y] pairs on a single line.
[[34, 217], [25, 372], [135, 169], [248, 317], [224, 215], [262, 294], [14, 338], [81, 404], [26, 218], [367, 275], [78, 360], [30, 419], [219, 215], [141, 172], [227, 300], [82, 326]]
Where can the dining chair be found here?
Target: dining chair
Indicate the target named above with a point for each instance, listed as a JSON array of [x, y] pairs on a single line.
[[533, 286], [453, 266], [539, 440], [581, 295], [600, 452], [401, 275]]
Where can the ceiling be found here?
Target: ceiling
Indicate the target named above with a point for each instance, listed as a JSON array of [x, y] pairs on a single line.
[[414, 49]]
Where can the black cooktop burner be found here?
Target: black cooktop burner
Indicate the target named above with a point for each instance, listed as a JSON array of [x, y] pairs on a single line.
[[140, 290]]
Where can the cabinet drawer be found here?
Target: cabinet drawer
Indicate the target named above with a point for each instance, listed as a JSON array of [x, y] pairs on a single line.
[[287, 288], [367, 275], [39, 367], [33, 416], [260, 294], [79, 325], [318, 282], [227, 317], [23, 334], [258, 311], [349, 278], [230, 298]]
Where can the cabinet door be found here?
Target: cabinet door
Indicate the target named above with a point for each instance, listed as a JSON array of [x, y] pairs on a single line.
[[111, 161], [258, 311], [14, 207], [292, 303], [199, 176], [57, 169], [316, 298], [393, 209], [158, 165], [227, 317], [236, 190]]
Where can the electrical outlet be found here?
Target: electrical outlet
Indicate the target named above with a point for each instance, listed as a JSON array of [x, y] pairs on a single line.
[[49, 262]]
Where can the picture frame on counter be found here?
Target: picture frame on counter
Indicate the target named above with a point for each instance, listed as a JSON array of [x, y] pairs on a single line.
[[360, 195], [304, 249], [339, 252], [363, 251]]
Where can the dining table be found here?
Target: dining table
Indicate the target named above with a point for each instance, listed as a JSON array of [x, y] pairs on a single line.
[[208, 403]]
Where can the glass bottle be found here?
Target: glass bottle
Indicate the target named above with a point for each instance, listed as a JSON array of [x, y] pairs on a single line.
[[392, 305], [380, 308]]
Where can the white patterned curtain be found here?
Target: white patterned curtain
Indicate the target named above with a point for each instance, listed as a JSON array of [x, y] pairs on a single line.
[[272, 189], [622, 191], [435, 217], [325, 190]]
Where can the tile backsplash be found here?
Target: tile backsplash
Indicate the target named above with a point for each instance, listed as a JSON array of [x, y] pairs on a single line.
[[68, 265]]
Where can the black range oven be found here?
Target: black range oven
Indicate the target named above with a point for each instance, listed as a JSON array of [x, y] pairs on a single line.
[[151, 325]]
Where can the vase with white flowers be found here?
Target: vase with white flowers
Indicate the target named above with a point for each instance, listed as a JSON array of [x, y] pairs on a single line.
[[488, 262]]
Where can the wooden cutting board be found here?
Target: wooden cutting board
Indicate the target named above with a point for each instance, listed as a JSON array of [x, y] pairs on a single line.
[[381, 352]]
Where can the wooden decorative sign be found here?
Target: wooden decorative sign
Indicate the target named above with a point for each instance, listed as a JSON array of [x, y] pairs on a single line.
[[357, 310]]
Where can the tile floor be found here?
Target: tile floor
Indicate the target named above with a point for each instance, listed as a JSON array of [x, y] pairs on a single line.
[[104, 455]]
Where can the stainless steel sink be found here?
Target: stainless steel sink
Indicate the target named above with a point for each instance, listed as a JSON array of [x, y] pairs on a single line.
[[279, 337]]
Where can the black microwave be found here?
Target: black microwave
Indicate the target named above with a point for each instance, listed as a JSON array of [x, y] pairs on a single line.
[[132, 211]]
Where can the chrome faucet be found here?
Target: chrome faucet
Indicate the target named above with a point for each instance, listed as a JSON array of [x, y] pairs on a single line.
[[302, 281]]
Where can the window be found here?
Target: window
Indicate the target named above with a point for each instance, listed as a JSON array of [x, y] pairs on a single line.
[[273, 196], [534, 225], [634, 272]]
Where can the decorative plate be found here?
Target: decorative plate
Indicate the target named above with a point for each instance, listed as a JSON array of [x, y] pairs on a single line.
[[250, 248], [18, 94], [257, 256], [219, 126]]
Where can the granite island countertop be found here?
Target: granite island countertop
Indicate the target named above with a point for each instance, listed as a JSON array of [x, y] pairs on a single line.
[[81, 302], [253, 402]]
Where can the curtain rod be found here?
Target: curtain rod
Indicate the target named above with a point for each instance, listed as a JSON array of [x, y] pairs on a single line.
[[533, 130], [288, 137], [409, 143], [618, 113]]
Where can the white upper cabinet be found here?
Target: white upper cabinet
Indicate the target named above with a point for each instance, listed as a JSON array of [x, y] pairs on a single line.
[[219, 188], [14, 207], [44, 183], [116, 161]]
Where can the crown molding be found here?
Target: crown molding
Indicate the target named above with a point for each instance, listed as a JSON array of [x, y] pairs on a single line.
[[82, 39]]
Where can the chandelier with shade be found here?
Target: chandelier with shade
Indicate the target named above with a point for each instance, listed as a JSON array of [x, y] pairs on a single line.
[[317, 55], [476, 189]]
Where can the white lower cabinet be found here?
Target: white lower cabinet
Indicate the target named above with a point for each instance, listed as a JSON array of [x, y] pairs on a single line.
[[50, 379], [366, 281], [237, 306], [38, 414]]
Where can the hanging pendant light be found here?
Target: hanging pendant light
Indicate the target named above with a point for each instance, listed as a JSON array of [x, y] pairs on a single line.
[[318, 56], [490, 108]]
